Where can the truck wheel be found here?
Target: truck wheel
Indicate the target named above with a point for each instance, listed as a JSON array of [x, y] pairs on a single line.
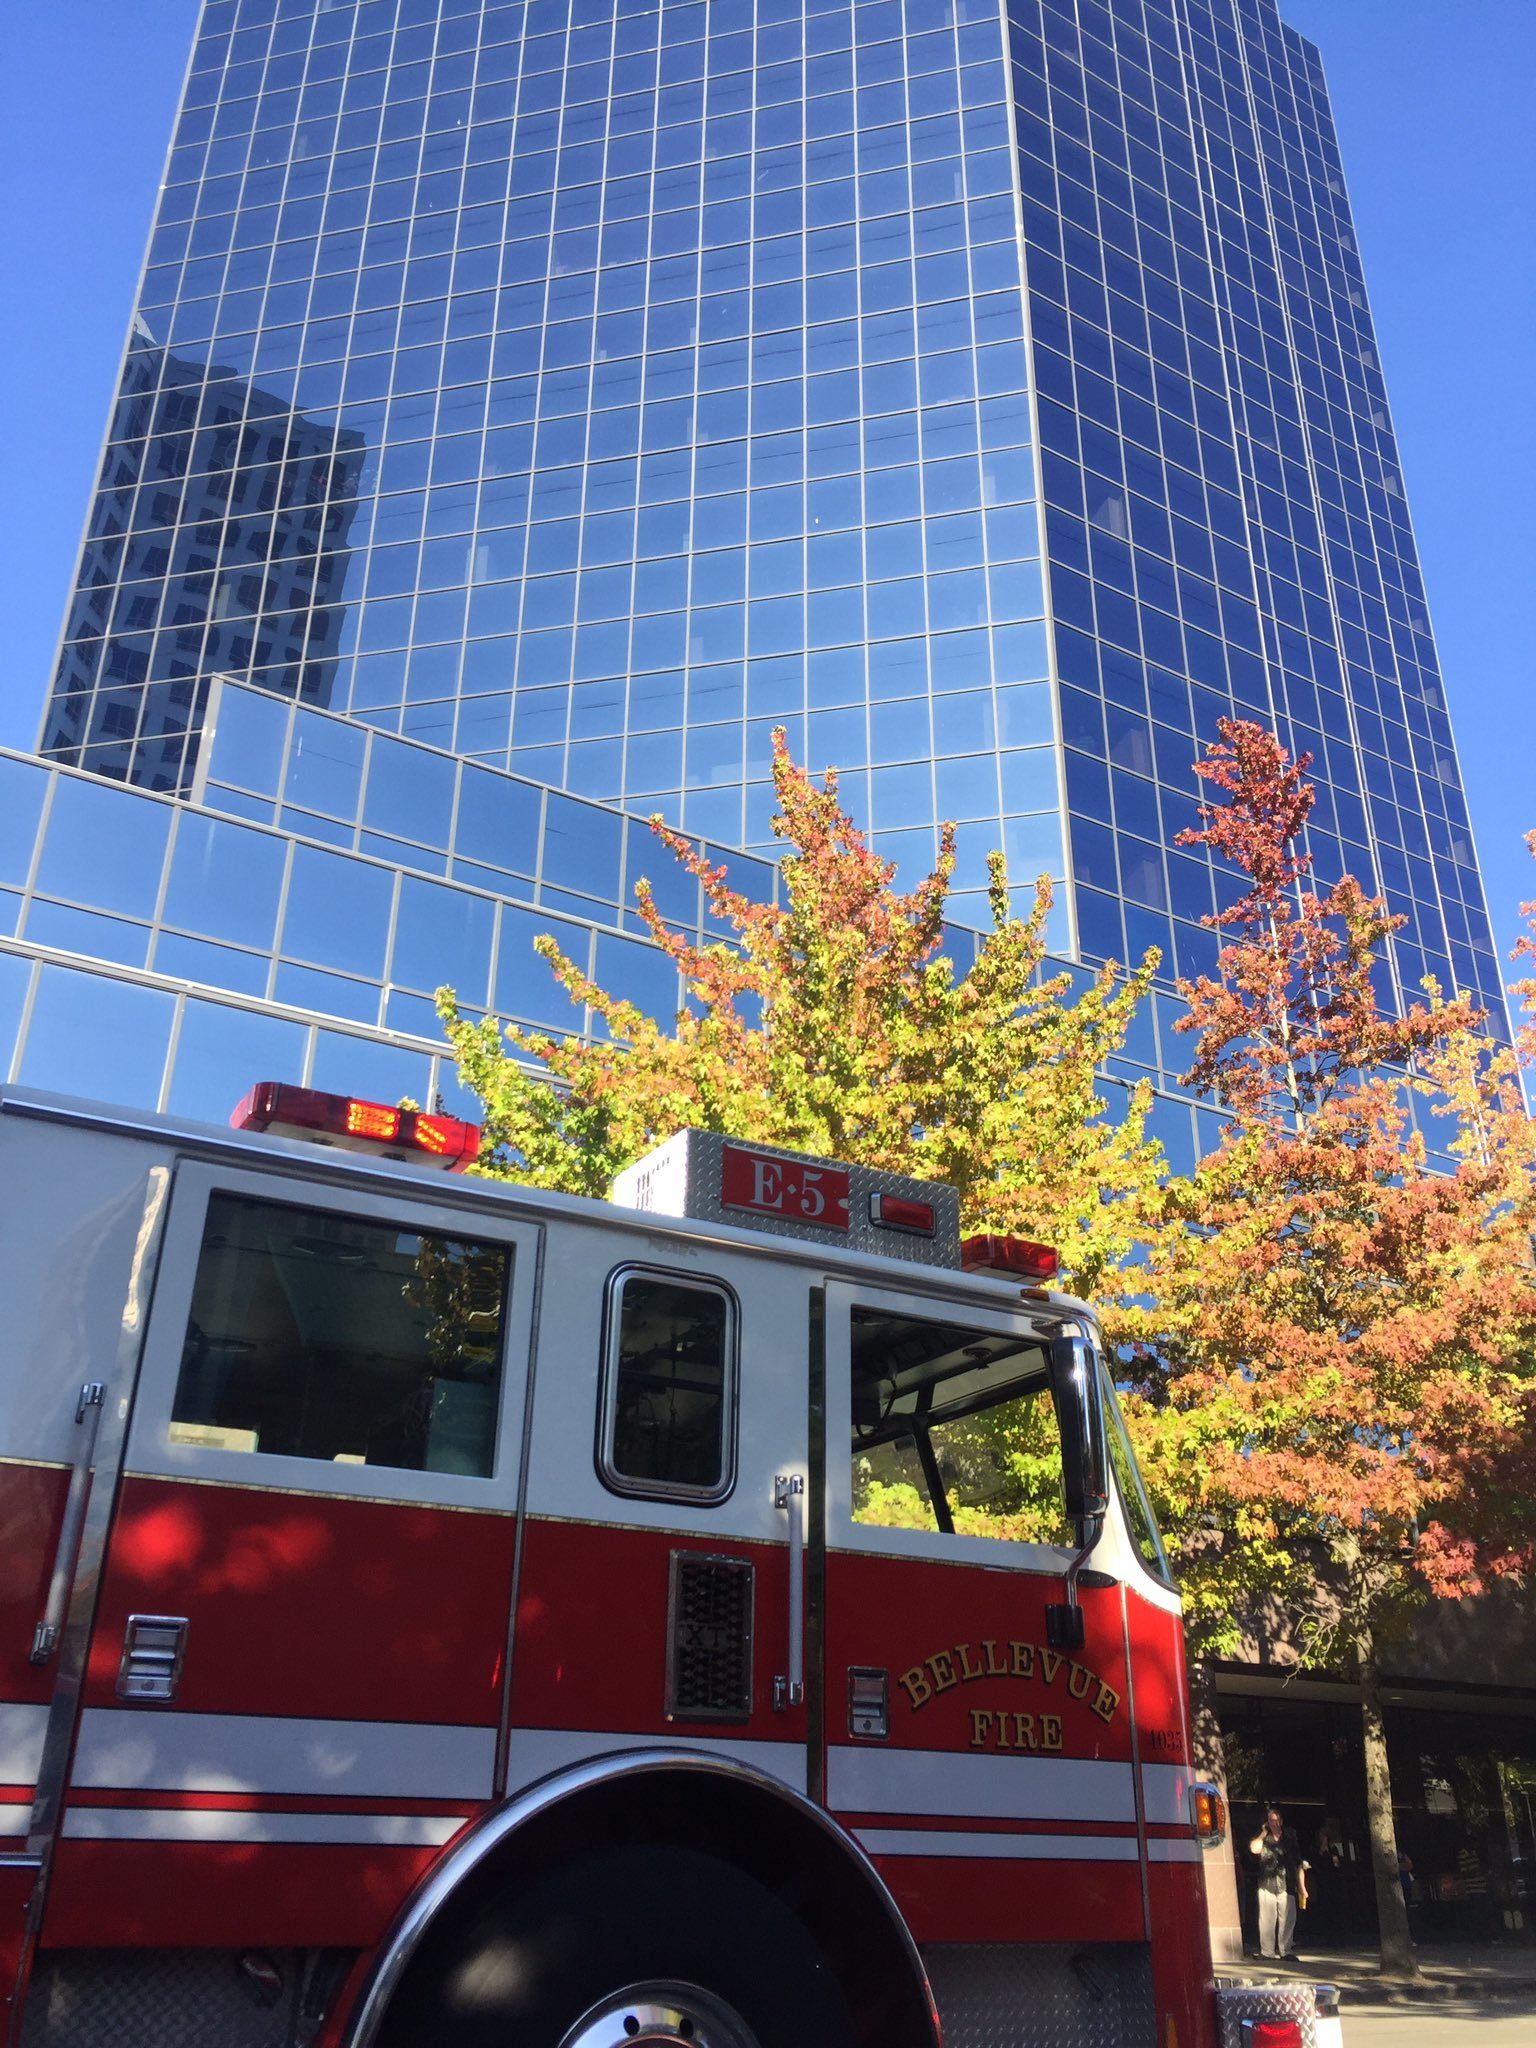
[[679, 2013], [619, 1948]]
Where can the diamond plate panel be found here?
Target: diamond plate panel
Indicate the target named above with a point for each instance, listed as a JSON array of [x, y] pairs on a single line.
[[1046, 1995], [682, 1177], [160, 1998], [1238, 2002]]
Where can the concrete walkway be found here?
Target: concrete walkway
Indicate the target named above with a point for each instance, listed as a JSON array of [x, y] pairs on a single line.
[[1493, 1977], [1505, 2025]]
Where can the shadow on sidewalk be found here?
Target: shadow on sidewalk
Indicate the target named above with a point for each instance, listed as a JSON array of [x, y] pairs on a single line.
[[1490, 1981]]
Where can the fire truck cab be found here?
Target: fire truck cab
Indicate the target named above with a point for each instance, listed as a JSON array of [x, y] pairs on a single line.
[[434, 1611]]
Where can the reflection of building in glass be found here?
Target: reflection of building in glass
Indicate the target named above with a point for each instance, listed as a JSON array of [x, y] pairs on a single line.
[[217, 544]]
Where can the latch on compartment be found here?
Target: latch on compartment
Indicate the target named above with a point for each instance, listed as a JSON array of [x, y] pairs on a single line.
[[869, 1707], [153, 1648]]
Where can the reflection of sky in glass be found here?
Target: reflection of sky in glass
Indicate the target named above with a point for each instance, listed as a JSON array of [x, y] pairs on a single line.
[[222, 1052], [102, 1039], [103, 848]]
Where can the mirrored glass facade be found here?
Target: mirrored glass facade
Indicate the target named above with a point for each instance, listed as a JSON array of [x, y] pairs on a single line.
[[528, 406], [1225, 516]]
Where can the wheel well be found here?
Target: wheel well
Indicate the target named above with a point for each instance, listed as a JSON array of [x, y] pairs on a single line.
[[695, 1801]]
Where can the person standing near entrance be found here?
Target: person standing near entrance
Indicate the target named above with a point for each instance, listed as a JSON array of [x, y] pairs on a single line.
[[1282, 1884]]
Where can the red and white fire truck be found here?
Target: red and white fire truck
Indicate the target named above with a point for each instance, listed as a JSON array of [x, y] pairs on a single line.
[[433, 1611]]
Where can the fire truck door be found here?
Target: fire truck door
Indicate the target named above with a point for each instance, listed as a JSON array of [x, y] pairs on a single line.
[[980, 1756], [293, 1688], [665, 1507]]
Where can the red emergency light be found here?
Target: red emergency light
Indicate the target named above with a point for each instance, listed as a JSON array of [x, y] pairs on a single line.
[[900, 1212], [356, 1126], [1272, 2034], [986, 1252]]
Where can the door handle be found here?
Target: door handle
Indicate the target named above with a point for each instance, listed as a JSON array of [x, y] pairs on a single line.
[[789, 1497], [153, 1648], [45, 1637]]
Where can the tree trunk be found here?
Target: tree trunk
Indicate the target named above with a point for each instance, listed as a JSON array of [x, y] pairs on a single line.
[[1397, 1954]]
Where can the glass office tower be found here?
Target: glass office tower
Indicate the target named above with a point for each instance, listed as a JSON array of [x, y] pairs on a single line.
[[528, 406]]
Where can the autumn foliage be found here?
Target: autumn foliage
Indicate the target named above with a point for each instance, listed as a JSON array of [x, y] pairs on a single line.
[[1334, 1341], [834, 1022], [1337, 1330], [1293, 1016]]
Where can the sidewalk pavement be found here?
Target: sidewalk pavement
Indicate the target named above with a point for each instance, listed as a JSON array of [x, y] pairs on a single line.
[[1497, 1975]]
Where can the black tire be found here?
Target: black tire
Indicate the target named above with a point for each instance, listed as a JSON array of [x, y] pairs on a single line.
[[531, 1962]]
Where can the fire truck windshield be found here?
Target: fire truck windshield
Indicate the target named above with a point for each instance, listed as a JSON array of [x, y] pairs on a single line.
[[1139, 1518], [953, 1429]]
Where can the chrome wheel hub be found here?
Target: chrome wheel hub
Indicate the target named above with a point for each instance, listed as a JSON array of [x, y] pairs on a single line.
[[676, 2015]]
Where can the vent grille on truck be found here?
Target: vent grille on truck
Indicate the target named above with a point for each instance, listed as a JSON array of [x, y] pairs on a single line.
[[709, 1638]]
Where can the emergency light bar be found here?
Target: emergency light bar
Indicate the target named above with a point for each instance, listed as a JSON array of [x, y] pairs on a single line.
[[355, 1126], [986, 1252]]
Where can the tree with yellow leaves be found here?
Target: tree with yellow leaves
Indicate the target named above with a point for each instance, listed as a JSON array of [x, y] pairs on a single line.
[[833, 1022]]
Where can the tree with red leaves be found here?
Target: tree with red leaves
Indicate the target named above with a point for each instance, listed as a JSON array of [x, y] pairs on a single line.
[[1333, 1344]]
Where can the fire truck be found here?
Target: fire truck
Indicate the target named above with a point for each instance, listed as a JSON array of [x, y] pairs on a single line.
[[434, 1611]]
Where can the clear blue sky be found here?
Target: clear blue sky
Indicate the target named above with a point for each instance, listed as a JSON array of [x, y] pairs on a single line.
[[1434, 104]]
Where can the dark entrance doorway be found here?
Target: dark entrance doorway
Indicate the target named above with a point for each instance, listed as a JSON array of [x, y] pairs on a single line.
[[1464, 1796]]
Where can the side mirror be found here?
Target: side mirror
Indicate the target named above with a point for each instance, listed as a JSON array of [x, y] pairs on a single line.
[[1074, 1368]]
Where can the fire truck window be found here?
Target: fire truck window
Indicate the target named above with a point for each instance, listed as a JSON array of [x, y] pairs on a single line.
[[953, 1430], [1138, 1509], [668, 1388], [314, 1335]]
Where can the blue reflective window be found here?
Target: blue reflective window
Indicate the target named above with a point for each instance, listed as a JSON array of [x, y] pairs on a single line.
[[1024, 715], [248, 737], [525, 986], [332, 995], [325, 765], [1033, 846], [966, 786], [225, 881], [346, 1065], [222, 1051], [442, 936], [88, 932], [498, 821], [338, 912], [638, 973], [98, 1037], [21, 802], [899, 731], [104, 847], [409, 793], [1029, 779], [900, 796], [581, 847], [201, 960], [15, 977]]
